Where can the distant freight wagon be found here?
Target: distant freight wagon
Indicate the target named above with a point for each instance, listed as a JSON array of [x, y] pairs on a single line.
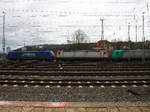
[[31, 55]]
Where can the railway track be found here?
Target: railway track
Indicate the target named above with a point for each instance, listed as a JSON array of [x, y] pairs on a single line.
[[78, 69], [35, 73], [45, 63], [85, 83], [76, 73], [73, 80]]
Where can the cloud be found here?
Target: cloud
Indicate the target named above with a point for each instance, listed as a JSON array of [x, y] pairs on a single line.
[[41, 21]]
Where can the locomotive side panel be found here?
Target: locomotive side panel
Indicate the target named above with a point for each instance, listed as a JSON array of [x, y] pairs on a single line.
[[13, 55], [82, 55], [31, 55]]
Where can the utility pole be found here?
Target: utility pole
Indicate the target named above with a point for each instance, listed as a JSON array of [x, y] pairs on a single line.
[[129, 36], [102, 29], [3, 39], [143, 30], [147, 7], [136, 44], [143, 36], [136, 28], [68, 41], [136, 33], [24, 43], [68, 37]]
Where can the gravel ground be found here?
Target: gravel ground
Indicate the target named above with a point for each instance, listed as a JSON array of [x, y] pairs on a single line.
[[75, 94]]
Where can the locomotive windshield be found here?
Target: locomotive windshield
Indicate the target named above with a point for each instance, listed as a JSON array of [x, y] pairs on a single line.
[[117, 53]]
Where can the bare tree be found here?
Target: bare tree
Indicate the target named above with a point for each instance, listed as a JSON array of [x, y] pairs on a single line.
[[79, 36]]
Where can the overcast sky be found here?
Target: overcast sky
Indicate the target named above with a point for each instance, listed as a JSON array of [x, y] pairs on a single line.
[[53, 21]]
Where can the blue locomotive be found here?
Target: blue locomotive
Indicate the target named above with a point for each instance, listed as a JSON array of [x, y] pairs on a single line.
[[31, 55]]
